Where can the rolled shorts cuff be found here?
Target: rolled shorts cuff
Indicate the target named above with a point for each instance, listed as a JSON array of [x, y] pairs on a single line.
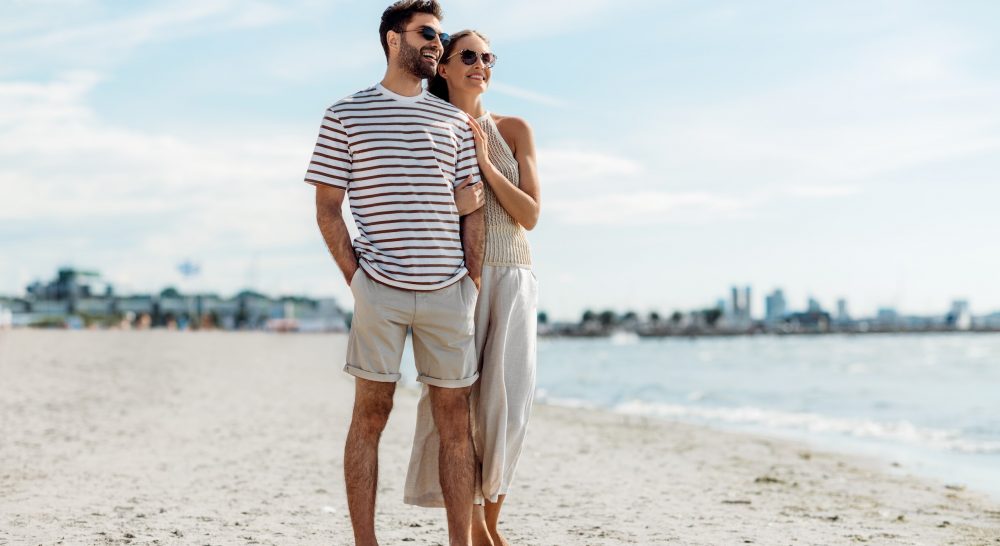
[[448, 383], [372, 376]]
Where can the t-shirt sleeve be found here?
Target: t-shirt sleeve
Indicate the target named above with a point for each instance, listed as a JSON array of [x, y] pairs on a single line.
[[331, 159], [467, 163]]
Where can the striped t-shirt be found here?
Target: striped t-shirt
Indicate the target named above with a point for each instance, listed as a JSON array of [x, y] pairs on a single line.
[[399, 159]]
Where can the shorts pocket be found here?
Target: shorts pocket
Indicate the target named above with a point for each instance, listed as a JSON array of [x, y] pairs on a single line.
[[354, 277], [469, 292]]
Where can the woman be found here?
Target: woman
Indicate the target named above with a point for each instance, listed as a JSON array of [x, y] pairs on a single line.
[[506, 312]]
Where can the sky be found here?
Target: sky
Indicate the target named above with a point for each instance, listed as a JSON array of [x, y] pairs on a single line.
[[846, 149]]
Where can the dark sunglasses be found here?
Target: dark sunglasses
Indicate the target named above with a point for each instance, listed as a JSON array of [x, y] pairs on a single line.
[[429, 34], [470, 57]]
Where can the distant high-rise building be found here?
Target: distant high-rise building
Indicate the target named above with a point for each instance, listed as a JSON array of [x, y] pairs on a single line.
[[814, 306], [774, 306], [887, 316], [842, 314], [739, 306], [959, 317]]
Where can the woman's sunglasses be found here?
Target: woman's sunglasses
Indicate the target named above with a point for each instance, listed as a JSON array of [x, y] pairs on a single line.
[[429, 34], [470, 57]]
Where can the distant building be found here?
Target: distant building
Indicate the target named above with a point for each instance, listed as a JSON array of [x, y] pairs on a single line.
[[959, 317], [775, 307], [814, 306], [6, 317], [843, 317], [809, 322], [738, 315], [887, 317], [319, 316], [136, 305], [990, 321], [71, 285], [81, 298]]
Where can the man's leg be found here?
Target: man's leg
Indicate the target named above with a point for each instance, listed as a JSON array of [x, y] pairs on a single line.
[[455, 461], [372, 404]]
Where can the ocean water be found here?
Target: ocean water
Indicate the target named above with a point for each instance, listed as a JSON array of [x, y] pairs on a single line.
[[928, 402]]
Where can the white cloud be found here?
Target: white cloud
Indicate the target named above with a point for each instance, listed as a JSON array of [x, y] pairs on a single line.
[[527, 94], [823, 191], [60, 163], [303, 60], [649, 207], [78, 35], [905, 104], [525, 19], [585, 187], [572, 163]]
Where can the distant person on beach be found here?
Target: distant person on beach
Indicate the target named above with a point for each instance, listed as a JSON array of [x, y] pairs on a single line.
[[408, 161], [506, 314]]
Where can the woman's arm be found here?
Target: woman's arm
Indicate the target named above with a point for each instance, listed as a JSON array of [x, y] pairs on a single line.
[[522, 202]]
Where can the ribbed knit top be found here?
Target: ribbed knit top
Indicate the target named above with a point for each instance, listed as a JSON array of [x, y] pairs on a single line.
[[506, 240]]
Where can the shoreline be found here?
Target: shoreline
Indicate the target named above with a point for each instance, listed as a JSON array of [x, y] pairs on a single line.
[[131, 438], [761, 333], [888, 457]]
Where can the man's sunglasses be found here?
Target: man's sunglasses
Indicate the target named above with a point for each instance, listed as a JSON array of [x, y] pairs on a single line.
[[429, 34], [470, 57]]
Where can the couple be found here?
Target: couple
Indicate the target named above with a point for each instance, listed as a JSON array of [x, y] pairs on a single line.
[[441, 191]]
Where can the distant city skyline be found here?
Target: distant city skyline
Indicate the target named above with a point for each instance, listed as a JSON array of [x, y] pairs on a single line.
[[834, 150], [738, 308]]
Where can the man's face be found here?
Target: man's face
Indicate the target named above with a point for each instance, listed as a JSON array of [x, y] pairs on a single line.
[[418, 55]]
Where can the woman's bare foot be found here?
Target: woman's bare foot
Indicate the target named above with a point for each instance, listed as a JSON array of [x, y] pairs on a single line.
[[498, 539], [491, 513]]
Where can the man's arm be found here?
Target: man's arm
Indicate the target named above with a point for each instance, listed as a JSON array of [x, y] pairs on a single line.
[[473, 227], [331, 224]]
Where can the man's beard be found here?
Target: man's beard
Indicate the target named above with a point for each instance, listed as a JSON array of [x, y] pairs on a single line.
[[413, 62]]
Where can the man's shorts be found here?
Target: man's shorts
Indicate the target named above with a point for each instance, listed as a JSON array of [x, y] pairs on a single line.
[[443, 324]]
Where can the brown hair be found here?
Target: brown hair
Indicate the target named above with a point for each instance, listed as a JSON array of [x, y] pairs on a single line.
[[438, 86], [396, 17]]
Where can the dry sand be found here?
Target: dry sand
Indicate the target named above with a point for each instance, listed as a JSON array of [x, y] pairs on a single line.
[[235, 438]]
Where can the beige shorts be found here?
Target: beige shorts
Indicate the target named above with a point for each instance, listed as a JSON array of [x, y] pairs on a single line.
[[443, 324]]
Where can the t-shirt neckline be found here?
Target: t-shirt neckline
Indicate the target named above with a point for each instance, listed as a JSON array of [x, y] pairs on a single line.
[[402, 98]]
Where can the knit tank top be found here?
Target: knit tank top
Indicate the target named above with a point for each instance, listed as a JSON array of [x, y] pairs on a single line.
[[506, 240]]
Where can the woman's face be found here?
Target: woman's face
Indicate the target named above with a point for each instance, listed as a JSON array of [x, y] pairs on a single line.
[[462, 77]]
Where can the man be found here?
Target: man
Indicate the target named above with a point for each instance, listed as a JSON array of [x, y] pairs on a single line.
[[400, 152]]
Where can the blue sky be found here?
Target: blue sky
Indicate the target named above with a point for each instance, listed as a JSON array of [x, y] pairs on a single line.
[[835, 149]]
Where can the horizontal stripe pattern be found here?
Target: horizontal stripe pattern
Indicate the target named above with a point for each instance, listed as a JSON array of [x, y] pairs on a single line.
[[398, 159]]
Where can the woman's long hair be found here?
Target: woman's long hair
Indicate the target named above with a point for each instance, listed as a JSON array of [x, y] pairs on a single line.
[[438, 86]]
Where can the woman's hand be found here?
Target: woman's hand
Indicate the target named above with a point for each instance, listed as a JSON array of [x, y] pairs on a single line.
[[468, 198], [482, 145]]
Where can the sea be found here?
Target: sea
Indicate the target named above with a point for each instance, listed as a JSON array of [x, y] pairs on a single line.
[[928, 402]]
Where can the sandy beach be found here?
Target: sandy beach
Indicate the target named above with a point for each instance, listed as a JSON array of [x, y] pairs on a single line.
[[236, 438]]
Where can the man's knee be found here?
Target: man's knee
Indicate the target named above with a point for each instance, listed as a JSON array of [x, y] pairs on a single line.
[[372, 405], [451, 412]]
